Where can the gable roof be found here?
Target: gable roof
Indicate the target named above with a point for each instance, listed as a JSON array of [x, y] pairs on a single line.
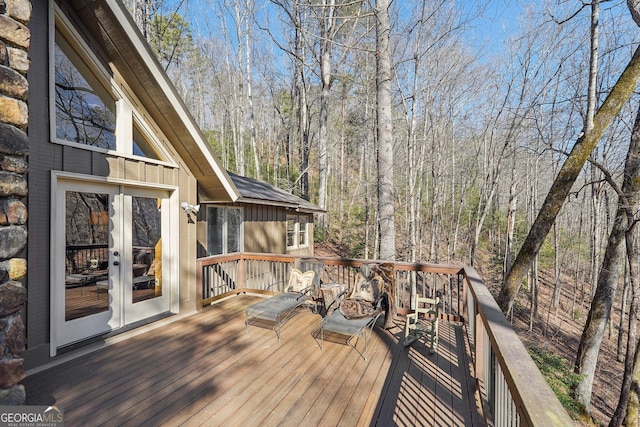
[[259, 192], [113, 29]]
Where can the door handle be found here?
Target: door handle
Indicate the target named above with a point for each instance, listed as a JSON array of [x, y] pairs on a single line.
[[116, 262]]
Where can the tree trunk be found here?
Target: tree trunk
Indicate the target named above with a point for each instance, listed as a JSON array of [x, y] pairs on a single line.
[[623, 312], [565, 179], [249, 82], [631, 356], [385, 132], [326, 44], [511, 218], [142, 17], [632, 417], [600, 311]]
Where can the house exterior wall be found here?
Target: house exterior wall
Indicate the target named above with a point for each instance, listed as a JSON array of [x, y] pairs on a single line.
[[46, 157], [15, 39], [265, 236], [24, 47], [307, 250], [264, 230]]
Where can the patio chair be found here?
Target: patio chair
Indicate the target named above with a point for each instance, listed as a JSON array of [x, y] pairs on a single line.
[[358, 312], [423, 321], [299, 291]]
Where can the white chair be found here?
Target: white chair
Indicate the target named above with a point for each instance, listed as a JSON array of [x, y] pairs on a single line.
[[423, 321]]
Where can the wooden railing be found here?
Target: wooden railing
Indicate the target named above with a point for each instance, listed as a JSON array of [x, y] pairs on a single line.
[[82, 257], [512, 389]]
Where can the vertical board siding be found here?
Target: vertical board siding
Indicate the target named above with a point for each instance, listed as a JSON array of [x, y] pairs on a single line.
[[42, 156]]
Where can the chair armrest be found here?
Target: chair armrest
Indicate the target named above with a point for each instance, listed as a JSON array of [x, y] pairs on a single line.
[[303, 293], [275, 284], [341, 294]]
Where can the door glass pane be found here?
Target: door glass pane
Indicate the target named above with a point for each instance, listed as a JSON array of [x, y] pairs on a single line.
[[146, 244], [291, 231], [302, 225], [234, 221], [86, 254], [84, 109], [215, 223]]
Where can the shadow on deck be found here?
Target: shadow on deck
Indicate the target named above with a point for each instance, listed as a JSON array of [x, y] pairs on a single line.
[[205, 370]]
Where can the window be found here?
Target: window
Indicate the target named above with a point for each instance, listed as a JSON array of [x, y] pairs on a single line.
[[88, 108], [297, 231], [302, 231], [141, 145], [224, 230], [84, 111], [292, 241]]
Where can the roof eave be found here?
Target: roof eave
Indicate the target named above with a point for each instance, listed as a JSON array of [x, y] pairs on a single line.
[[165, 105]]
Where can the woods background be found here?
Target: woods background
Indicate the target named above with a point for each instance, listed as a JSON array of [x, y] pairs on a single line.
[[488, 98]]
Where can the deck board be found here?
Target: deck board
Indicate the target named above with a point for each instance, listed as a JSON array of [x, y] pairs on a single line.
[[206, 370]]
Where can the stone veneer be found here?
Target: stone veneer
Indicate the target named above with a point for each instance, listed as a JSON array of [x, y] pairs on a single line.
[[15, 37]]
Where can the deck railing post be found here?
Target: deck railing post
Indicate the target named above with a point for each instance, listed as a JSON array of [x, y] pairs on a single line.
[[241, 273], [200, 282]]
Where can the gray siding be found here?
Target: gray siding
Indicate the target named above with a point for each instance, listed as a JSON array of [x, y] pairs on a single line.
[[42, 157], [264, 227], [45, 157]]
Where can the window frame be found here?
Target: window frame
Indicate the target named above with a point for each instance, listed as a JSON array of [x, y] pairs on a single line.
[[126, 116], [297, 231], [225, 229]]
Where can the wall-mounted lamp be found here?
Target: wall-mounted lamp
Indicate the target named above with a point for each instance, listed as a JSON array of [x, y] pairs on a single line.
[[190, 209]]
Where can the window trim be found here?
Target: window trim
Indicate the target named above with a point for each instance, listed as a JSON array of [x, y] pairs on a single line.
[[225, 229], [125, 113], [297, 232]]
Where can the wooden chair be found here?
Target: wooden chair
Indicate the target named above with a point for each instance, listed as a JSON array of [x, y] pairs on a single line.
[[423, 321]]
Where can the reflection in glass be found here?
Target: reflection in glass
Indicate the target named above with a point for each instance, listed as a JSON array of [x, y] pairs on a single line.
[[146, 244], [234, 221], [84, 110], [141, 146], [302, 231], [215, 224], [86, 254], [291, 231], [224, 230]]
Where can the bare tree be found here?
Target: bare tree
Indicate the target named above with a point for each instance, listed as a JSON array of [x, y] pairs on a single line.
[[628, 203], [565, 179], [386, 206]]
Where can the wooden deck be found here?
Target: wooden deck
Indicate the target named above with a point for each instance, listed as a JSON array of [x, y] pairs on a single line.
[[205, 370]]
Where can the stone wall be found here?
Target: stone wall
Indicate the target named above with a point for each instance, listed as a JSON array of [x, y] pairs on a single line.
[[14, 149]]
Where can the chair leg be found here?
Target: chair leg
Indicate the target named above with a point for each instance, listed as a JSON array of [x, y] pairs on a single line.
[[434, 339], [409, 331], [276, 329], [433, 336]]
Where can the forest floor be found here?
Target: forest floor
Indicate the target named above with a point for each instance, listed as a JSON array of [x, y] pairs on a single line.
[[557, 331]]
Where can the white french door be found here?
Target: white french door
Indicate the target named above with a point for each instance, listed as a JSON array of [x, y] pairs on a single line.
[[111, 258], [144, 243]]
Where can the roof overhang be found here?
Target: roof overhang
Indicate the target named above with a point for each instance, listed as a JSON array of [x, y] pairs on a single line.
[[112, 27], [257, 192]]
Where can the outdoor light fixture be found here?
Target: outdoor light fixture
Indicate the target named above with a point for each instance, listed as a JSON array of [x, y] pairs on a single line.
[[190, 209]]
